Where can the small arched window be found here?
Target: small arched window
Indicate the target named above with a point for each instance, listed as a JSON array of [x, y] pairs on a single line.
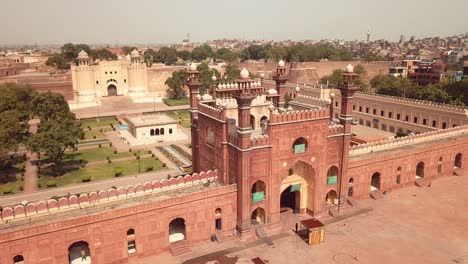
[[170, 130], [156, 132], [300, 145], [152, 132], [162, 131], [18, 259], [218, 211], [130, 232]]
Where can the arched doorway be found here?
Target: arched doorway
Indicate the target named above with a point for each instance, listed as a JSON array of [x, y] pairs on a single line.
[[458, 160], [252, 122], [290, 199], [420, 170], [331, 197], [297, 188], [111, 90], [258, 216], [177, 230], [18, 259], [375, 181], [78, 253]]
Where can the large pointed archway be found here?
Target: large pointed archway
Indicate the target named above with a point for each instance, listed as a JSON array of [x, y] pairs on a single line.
[[78, 253], [297, 189]]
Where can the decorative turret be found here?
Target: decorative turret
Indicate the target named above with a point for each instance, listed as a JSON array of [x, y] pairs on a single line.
[[83, 58], [194, 84], [135, 56], [280, 78]]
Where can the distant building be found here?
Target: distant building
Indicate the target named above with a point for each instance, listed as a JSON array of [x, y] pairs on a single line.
[[398, 71], [426, 73], [465, 70], [151, 129], [453, 57]]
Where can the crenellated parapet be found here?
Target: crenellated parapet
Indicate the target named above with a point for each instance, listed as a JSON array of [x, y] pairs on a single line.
[[81, 201], [408, 140], [335, 129], [302, 115], [422, 103], [216, 113], [304, 99], [259, 140]]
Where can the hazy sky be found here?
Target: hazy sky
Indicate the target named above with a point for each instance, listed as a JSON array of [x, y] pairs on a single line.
[[158, 21]]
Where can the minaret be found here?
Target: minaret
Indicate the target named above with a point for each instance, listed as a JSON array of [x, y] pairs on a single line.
[[348, 88], [244, 99], [280, 78], [368, 35], [194, 84]]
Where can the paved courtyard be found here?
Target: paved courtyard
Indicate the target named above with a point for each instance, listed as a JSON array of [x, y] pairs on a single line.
[[410, 225]]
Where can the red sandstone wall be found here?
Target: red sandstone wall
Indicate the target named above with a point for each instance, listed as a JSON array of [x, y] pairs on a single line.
[[106, 231]]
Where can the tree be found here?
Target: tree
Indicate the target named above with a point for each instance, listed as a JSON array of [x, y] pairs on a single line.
[[335, 79], [55, 136], [103, 54], [176, 84], [127, 49], [205, 77], [200, 53], [231, 73], [8, 135], [58, 61], [226, 55], [168, 55], [277, 53], [70, 51], [50, 106], [17, 97], [184, 55]]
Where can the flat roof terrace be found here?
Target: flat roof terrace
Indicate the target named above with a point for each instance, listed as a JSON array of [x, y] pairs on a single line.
[[150, 120]]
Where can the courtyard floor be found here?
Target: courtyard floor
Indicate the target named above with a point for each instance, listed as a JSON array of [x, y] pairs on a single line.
[[410, 225]]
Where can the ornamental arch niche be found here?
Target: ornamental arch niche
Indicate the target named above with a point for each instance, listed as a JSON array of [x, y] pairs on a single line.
[[78, 253], [297, 189], [299, 145]]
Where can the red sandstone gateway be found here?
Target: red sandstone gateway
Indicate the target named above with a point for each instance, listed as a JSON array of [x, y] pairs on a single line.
[[261, 155]]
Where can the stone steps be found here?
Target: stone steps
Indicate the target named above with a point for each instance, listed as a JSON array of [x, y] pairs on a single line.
[[263, 235], [421, 182], [460, 172], [376, 194], [179, 248]]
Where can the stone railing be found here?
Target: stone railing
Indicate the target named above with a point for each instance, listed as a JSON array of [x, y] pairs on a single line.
[[276, 117], [211, 111], [408, 140], [232, 103], [311, 100], [84, 200], [260, 140], [413, 102], [335, 129]]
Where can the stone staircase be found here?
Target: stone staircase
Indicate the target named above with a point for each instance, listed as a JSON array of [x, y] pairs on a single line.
[[179, 248], [376, 194], [260, 232], [421, 182]]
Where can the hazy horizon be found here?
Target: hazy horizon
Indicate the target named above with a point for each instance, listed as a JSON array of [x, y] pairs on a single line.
[[144, 21]]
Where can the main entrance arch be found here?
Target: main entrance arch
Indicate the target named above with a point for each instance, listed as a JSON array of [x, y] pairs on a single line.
[[111, 90], [78, 253], [297, 188]]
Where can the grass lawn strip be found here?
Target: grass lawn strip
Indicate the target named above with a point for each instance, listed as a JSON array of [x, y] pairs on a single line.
[[103, 122], [96, 154], [176, 102]]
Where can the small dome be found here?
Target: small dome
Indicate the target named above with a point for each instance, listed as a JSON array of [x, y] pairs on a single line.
[[192, 67], [127, 57], [244, 73], [332, 95], [349, 68], [281, 63], [289, 109], [135, 53], [83, 55], [271, 107], [199, 96], [213, 77], [207, 97], [272, 91], [298, 89]]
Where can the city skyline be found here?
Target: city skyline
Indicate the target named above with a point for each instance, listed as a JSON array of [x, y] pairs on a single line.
[[158, 22]]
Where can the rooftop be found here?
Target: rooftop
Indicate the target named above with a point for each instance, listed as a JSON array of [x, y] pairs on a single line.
[[369, 134], [150, 120]]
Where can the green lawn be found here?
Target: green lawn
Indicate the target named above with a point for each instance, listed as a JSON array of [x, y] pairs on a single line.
[[10, 179], [100, 172], [175, 102], [96, 154], [183, 116], [103, 122], [89, 134]]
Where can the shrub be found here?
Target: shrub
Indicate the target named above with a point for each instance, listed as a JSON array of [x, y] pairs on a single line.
[[108, 158], [149, 168], [152, 155], [113, 128], [164, 165], [110, 144], [51, 183], [94, 137], [129, 150], [134, 154], [115, 151], [22, 178], [156, 158], [86, 178], [138, 157], [21, 188], [189, 145], [39, 185], [150, 152], [89, 128], [118, 173], [8, 190], [100, 130], [109, 161], [99, 146]]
